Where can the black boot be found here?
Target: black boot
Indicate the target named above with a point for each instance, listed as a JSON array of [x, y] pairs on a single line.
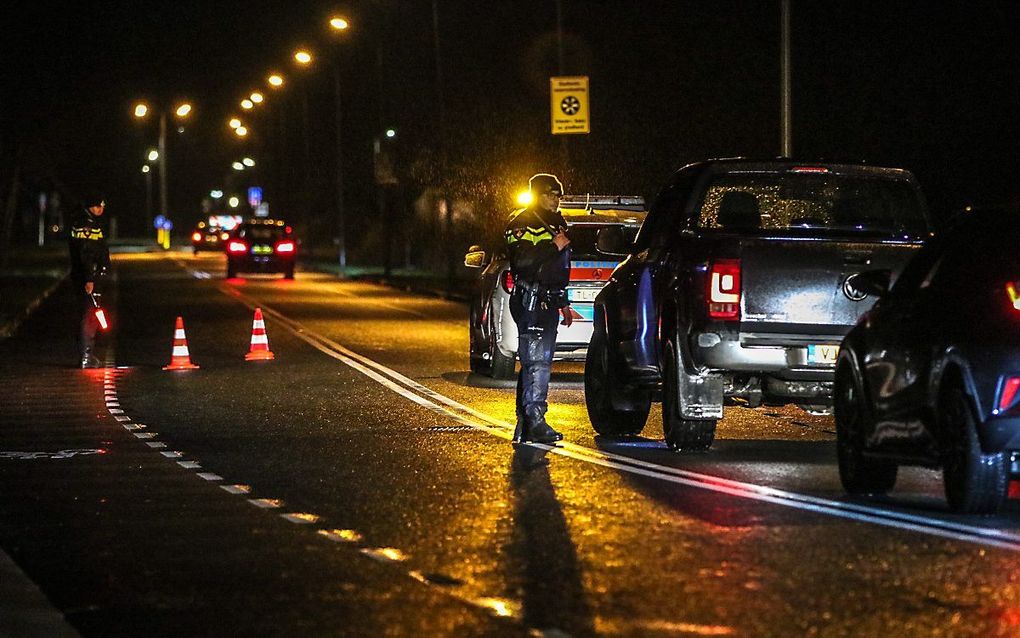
[[541, 432]]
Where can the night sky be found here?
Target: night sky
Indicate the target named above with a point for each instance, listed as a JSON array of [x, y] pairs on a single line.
[[932, 87]]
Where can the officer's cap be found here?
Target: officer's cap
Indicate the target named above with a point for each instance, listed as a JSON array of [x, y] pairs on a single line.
[[543, 183]]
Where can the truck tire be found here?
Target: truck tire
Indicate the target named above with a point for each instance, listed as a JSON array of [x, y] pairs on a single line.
[[975, 483], [857, 473], [682, 435], [603, 391]]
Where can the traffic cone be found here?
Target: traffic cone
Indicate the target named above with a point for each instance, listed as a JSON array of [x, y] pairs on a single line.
[[259, 340], [180, 359]]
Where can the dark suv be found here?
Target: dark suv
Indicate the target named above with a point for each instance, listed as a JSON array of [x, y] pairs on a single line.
[[262, 245]]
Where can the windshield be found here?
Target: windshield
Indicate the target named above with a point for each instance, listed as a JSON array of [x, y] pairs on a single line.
[[871, 206]]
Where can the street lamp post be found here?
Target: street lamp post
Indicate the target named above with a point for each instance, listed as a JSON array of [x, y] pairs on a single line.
[[181, 111], [339, 25]]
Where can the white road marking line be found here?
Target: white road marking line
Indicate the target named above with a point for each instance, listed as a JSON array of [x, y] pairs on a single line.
[[209, 476], [301, 518], [189, 465], [146, 435], [341, 535], [385, 554], [156, 445], [409, 388], [115, 410], [134, 426], [236, 489], [121, 419], [170, 454], [266, 503]]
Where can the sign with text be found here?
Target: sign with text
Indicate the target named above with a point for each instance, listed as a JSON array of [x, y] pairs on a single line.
[[569, 105]]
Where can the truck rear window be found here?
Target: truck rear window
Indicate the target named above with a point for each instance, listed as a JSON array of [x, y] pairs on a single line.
[[813, 202]]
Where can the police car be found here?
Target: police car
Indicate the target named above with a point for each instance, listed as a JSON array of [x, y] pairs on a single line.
[[493, 332]]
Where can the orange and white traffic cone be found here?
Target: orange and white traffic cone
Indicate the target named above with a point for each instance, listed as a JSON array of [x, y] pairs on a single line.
[[259, 340], [180, 359]]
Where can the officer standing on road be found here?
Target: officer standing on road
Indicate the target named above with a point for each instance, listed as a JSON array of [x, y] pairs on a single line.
[[90, 260], [540, 264]]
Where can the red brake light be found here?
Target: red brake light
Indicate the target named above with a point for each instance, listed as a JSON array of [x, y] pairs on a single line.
[[288, 230], [197, 236], [724, 290], [237, 247], [508, 282], [1008, 393], [285, 247]]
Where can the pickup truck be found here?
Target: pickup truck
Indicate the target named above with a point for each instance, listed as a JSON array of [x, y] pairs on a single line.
[[739, 287]]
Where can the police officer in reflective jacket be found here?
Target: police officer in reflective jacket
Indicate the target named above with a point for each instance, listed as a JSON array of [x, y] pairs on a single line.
[[540, 263], [90, 260]]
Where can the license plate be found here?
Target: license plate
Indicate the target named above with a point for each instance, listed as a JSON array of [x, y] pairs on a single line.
[[583, 294], [822, 353]]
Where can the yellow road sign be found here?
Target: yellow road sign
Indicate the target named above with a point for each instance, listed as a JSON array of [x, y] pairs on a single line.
[[568, 105]]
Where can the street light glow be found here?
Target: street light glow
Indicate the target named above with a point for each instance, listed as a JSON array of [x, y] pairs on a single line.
[[247, 104], [257, 97], [234, 122], [391, 133], [153, 155], [183, 110], [339, 23], [141, 110], [241, 131], [233, 201], [238, 166], [216, 194], [249, 162], [145, 168], [303, 57], [275, 81]]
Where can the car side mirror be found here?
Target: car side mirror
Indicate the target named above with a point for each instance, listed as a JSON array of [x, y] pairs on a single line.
[[871, 282], [610, 241], [476, 257]]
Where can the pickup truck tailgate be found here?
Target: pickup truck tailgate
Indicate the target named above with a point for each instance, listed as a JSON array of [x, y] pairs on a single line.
[[795, 290]]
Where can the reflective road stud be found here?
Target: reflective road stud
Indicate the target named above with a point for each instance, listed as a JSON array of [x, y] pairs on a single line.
[[180, 359], [259, 340]]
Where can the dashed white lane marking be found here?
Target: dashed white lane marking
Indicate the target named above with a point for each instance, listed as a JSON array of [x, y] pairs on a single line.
[[236, 489], [134, 426], [431, 400], [145, 435], [266, 503], [209, 476], [341, 535], [190, 465], [384, 554], [170, 454], [301, 518], [122, 418], [156, 445]]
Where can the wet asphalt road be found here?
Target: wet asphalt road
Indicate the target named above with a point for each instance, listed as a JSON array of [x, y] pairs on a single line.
[[363, 483]]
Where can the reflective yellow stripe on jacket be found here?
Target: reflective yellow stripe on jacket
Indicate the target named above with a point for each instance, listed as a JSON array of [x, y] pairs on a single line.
[[87, 233], [527, 233]]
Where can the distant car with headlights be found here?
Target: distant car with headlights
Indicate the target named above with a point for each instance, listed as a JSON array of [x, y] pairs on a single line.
[[493, 332], [931, 374], [261, 245], [208, 237]]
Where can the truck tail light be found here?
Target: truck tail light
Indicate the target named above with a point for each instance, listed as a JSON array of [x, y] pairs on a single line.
[[724, 289], [237, 247], [508, 282], [285, 247], [1009, 394]]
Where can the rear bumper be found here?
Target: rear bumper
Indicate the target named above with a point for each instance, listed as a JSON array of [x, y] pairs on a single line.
[[261, 264], [783, 362]]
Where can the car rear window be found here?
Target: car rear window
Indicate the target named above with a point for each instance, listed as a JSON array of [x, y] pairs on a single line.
[[583, 237], [816, 202], [262, 232]]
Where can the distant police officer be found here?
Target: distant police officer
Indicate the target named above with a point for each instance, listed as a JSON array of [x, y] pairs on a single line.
[[90, 260], [540, 264]]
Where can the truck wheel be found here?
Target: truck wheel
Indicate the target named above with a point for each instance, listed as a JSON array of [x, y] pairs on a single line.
[[859, 474], [601, 387], [975, 483], [681, 434]]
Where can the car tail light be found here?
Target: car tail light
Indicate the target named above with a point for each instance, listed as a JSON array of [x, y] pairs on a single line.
[[508, 282], [197, 236], [1014, 295], [224, 236], [237, 247], [285, 247], [1009, 394], [724, 289]]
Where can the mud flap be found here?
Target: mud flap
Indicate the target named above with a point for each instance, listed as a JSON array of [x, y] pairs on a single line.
[[701, 396]]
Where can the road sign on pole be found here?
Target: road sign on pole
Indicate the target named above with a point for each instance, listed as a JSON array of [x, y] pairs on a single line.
[[568, 105]]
